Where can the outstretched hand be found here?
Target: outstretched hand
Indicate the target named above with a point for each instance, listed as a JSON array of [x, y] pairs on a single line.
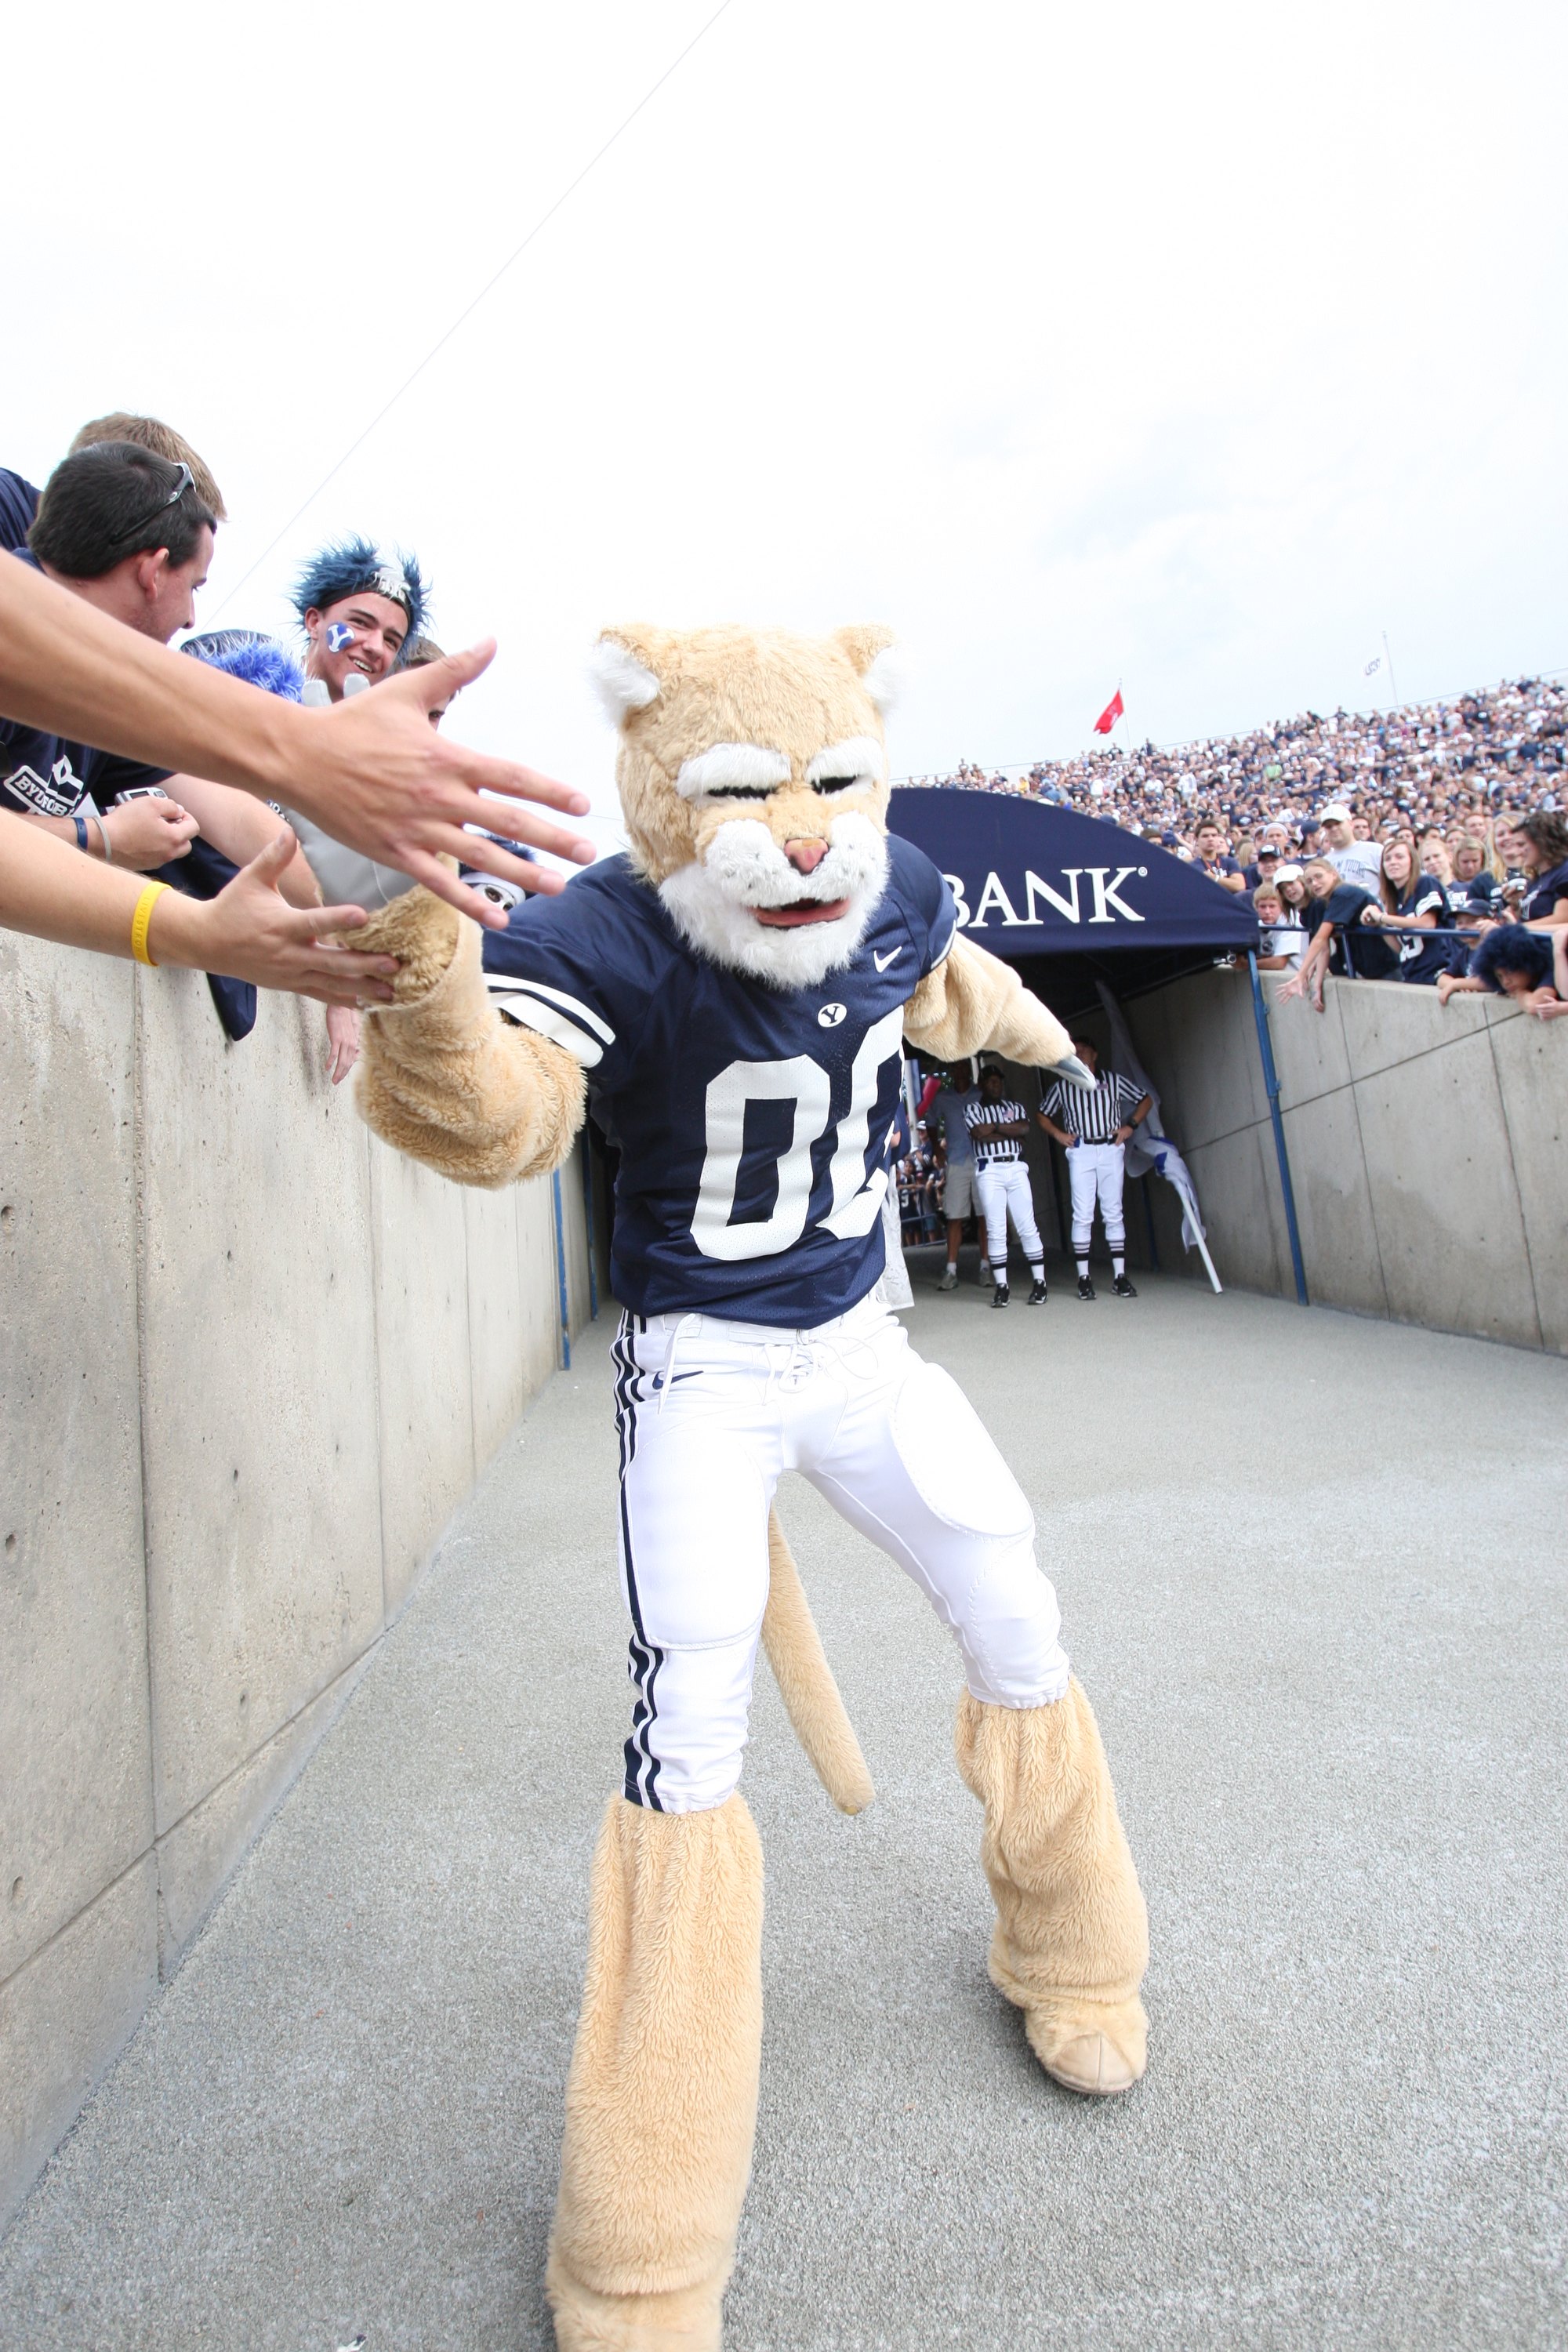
[[384, 781], [251, 933]]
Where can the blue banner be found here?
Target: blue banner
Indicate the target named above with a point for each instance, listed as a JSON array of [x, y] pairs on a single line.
[[1031, 878]]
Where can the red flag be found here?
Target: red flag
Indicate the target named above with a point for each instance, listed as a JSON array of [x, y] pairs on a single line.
[[1109, 715]]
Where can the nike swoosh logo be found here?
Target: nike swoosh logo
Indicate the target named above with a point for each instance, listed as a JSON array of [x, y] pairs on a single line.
[[882, 962]]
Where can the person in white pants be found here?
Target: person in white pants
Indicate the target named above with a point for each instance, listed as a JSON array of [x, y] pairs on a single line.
[[1095, 1140], [998, 1126]]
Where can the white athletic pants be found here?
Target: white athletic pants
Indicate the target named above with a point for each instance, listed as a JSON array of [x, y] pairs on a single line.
[[710, 1412], [1096, 1170], [1004, 1189]]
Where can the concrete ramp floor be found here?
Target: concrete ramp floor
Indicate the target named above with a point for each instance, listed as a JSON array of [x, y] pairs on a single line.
[[1312, 1572]]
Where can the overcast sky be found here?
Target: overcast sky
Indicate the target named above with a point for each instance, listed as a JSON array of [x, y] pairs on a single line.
[[1189, 348]]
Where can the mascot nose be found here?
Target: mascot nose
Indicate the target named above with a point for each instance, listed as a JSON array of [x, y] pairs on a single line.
[[806, 857]]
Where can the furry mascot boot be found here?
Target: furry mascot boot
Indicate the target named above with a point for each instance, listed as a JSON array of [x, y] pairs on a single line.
[[662, 2100], [1072, 1935]]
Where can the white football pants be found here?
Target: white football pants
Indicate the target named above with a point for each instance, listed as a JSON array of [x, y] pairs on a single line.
[[1004, 1189], [1096, 1172], [709, 1414]]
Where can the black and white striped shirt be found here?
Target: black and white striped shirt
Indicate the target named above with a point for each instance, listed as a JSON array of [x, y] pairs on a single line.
[[1093, 1118], [981, 1116]]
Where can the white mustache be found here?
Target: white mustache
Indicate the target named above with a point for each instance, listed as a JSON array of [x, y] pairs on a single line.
[[712, 901], [748, 865]]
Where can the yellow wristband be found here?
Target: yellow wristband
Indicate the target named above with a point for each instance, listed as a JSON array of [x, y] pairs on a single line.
[[141, 918]]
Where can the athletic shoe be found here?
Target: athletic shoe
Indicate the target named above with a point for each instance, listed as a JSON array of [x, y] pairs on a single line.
[[1037, 1295], [1084, 1288], [999, 1295], [950, 1279], [1122, 1286]]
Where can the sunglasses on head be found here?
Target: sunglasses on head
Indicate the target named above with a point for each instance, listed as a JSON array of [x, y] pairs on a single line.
[[187, 481]]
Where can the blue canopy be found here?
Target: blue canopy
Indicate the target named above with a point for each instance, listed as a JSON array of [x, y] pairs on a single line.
[[1032, 879]]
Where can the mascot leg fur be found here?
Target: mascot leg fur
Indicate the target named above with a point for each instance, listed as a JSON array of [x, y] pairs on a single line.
[[662, 2100], [1072, 1935]]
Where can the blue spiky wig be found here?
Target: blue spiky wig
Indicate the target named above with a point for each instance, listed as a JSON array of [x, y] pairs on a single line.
[[351, 567], [245, 653], [1512, 947]]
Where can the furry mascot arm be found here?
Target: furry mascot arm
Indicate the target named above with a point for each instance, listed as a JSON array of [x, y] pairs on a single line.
[[442, 1076], [971, 1001]]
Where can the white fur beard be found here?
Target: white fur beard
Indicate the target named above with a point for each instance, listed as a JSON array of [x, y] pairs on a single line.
[[710, 903]]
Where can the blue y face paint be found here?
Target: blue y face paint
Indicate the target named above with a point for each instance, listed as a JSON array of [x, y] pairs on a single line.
[[339, 635]]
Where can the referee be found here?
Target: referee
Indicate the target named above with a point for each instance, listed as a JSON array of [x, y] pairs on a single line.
[[997, 1128], [1096, 1145]]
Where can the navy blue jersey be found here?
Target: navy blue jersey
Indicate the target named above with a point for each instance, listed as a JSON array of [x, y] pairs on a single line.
[[1421, 959], [1362, 951], [753, 1124], [1543, 894], [18, 505], [50, 777]]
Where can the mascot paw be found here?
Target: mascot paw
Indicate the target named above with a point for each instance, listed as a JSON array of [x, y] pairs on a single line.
[[422, 931], [1076, 1072], [1095, 2047]]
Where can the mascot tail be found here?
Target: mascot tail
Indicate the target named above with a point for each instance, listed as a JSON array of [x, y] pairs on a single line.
[[804, 1677]]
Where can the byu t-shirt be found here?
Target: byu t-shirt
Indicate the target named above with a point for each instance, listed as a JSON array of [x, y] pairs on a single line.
[[752, 1123], [52, 777]]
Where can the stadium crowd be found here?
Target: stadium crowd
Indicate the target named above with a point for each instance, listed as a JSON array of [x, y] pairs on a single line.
[[1425, 843], [1355, 834], [1450, 765]]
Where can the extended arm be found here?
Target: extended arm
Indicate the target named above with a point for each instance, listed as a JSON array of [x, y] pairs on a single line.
[[1306, 980], [56, 893], [240, 824], [973, 1001], [443, 1077], [374, 772]]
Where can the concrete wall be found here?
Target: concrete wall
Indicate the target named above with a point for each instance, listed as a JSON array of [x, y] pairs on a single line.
[[1427, 1149], [250, 1362]]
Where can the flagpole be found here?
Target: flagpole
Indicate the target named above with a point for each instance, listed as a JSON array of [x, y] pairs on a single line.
[[1388, 657]]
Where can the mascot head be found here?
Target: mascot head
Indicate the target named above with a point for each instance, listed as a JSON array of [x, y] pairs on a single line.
[[754, 781]]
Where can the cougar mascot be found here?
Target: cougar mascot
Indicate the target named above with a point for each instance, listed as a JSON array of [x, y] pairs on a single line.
[[731, 995]]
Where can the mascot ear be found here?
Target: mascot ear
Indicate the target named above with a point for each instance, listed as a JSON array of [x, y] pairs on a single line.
[[622, 676], [872, 652]]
